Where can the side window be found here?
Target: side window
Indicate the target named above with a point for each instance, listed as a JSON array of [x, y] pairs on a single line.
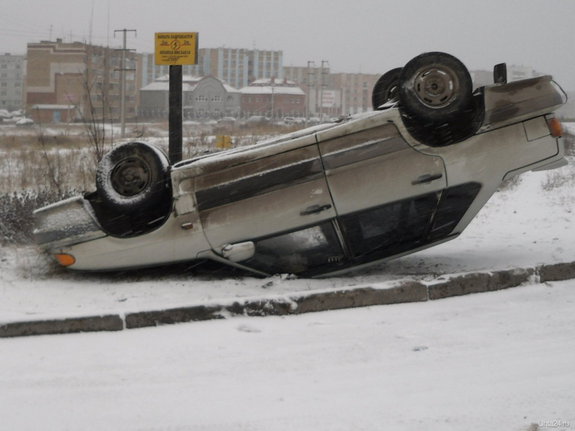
[[299, 251], [454, 204], [390, 229]]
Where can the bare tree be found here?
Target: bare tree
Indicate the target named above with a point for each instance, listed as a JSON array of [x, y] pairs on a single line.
[[96, 118], [94, 109], [52, 163]]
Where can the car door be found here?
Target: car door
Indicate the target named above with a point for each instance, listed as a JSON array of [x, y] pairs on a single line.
[[385, 192], [277, 198]]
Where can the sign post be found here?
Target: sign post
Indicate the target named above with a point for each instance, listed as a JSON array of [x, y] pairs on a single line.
[[175, 115], [175, 50]]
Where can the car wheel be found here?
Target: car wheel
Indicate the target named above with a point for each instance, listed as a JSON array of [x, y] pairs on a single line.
[[435, 87], [133, 177], [386, 89]]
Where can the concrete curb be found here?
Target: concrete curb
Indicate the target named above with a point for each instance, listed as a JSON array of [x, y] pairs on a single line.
[[556, 272], [402, 292], [62, 326], [480, 282]]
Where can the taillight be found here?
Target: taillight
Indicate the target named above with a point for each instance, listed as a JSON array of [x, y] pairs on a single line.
[[555, 127], [65, 259]]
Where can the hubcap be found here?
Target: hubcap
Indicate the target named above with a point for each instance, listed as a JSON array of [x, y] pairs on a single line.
[[436, 87], [130, 177]]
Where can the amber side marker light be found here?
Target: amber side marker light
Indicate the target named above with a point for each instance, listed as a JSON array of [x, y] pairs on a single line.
[[555, 127], [65, 259]]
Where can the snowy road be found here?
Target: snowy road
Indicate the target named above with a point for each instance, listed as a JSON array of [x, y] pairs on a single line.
[[499, 361]]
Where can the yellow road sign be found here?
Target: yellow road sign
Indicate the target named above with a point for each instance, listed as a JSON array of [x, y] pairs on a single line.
[[176, 48], [223, 141]]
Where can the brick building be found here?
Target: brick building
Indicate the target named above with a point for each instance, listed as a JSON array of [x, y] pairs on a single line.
[[47, 113], [85, 76], [273, 98]]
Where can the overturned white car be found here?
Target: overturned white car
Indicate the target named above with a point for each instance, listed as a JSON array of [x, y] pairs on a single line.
[[407, 176]]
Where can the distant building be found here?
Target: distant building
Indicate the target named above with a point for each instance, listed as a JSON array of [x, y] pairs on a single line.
[[306, 76], [228, 64], [149, 71], [311, 80], [46, 113], [239, 66], [202, 98], [273, 98], [12, 69], [333, 94], [235, 66], [514, 73], [356, 90], [85, 76]]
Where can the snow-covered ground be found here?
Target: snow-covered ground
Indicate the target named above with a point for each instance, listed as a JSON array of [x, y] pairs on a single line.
[[494, 361]]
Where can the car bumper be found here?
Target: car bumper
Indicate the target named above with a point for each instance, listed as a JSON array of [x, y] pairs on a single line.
[[66, 223]]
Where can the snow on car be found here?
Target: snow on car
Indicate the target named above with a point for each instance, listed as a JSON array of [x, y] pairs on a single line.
[[374, 186]]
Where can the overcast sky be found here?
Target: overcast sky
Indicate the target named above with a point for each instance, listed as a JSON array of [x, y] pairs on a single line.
[[370, 36]]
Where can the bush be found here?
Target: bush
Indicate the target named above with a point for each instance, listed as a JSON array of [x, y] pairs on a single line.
[[569, 140], [16, 214]]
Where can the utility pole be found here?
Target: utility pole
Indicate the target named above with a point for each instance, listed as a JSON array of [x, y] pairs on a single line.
[[310, 64], [123, 71], [272, 85], [323, 84]]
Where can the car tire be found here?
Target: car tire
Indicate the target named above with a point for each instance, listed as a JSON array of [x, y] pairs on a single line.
[[435, 87], [133, 177], [386, 89]]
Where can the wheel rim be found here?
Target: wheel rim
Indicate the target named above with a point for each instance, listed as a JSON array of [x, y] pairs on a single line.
[[386, 95], [436, 87], [392, 93], [131, 176]]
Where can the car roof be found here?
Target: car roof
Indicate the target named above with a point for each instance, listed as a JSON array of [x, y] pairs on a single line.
[[235, 156]]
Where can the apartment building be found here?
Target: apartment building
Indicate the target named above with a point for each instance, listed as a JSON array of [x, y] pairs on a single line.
[[237, 67], [66, 81], [356, 89], [333, 94], [12, 69], [149, 71], [312, 80]]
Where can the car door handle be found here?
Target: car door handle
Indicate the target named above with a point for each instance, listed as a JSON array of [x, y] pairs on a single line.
[[315, 209], [427, 178]]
